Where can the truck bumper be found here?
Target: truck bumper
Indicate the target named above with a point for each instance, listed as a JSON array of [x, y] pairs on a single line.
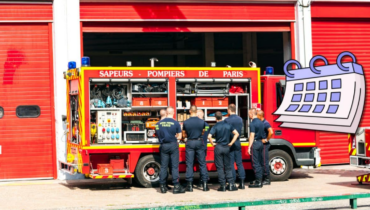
[[360, 161]]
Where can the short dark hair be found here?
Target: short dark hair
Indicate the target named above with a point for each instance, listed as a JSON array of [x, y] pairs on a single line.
[[218, 115], [232, 107], [194, 108]]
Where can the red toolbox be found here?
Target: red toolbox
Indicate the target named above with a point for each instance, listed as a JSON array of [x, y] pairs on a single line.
[[220, 102], [140, 101], [158, 101], [105, 169], [117, 163], [203, 102]]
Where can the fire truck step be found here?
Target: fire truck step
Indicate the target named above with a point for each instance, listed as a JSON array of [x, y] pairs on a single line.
[[114, 176]]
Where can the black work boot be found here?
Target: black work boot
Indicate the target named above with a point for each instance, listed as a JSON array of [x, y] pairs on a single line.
[[266, 181], [232, 187], [163, 188], [252, 182], [257, 184], [189, 187], [241, 185], [205, 186], [222, 188], [178, 189], [200, 183]]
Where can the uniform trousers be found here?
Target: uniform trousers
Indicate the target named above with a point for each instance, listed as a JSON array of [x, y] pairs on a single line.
[[236, 157], [266, 160], [169, 154], [195, 148], [257, 159], [222, 161]]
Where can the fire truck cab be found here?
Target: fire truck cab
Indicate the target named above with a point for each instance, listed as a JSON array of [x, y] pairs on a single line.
[[111, 113]]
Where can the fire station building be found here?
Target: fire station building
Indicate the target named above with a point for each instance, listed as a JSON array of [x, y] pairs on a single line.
[[39, 38]]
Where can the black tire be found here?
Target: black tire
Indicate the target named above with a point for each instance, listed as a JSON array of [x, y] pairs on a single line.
[[281, 165], [142, 176]]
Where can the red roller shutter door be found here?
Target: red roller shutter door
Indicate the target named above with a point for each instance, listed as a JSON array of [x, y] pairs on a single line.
[[329, 38], [27, 144], [172, 17]]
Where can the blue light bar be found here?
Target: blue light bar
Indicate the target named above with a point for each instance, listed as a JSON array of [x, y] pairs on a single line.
[[85, 61], [71, 65], [269, 70]]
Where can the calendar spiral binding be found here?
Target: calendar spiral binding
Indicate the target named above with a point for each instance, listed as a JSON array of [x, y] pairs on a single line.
[[319, 57]]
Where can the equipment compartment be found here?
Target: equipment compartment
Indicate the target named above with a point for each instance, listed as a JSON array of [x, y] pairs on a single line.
[[126, 102]]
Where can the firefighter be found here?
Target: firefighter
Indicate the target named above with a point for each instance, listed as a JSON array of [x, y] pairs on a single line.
[[169, 131], [236, 148], [193, 129], [222, 132], [200, 114], [255, 148], [266, 146], [163, 114]]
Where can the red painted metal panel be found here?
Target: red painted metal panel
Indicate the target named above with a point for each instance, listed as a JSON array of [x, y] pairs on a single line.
[[170, 11], [329, 38], [340, 10], [334, 147], [26, 12], [28, 149], [120, 27]]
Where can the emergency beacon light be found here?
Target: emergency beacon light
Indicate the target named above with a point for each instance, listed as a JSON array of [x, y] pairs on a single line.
[[85, 61], [71, 65], [269, 70]]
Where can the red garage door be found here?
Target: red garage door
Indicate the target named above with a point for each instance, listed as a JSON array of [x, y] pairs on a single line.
[[331, 36], [181, 17], [26, 88]]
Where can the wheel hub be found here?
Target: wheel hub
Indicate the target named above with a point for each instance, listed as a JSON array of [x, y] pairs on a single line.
[[278, 165], [150, 171]]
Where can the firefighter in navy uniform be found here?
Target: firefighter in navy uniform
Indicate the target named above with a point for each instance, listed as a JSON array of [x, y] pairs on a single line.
[[268, 132], [255, 148], [193, 129], [200, 114], [222, 132], [236, 148], [169, 131], [163, 115]]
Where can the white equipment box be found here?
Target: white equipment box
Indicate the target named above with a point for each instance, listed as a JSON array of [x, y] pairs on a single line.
[[109, 127]]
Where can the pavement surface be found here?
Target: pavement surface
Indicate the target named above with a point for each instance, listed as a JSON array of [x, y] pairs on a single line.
[[107, 194]]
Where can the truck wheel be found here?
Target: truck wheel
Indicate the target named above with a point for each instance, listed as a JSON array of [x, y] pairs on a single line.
[[281, 165], [147, 171]]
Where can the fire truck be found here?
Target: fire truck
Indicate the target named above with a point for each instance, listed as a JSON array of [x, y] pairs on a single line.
[[359, 152], [111, 113]]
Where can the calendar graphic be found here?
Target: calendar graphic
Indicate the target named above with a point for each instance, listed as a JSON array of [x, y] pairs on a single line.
[[327, 98]]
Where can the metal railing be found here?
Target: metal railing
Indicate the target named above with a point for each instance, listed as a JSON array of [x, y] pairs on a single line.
[[242, 204]]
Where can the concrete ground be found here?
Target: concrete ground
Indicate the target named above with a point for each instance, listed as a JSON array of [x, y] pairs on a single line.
[[105, 194]]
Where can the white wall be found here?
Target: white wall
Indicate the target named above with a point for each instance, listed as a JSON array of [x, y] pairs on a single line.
[[66, 35]]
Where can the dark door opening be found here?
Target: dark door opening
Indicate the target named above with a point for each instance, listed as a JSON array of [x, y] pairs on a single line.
[[187, 49]]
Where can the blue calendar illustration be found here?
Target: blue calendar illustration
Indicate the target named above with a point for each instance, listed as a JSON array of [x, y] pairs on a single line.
[[327, 98]]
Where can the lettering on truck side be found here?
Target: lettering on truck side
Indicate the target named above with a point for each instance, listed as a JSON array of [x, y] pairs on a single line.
[[166, 73], [116, 73], [233, 73]]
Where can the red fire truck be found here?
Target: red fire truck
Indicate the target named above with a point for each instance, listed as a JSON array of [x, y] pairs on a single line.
[[111, 113], [359, 152]]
